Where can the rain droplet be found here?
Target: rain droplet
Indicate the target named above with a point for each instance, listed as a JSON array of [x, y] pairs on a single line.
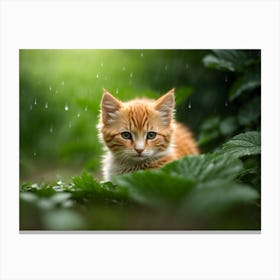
[[86, 108], [51, 129], [190, 105], [131, 75], [62, 83], [78, 115], [66, 108], [34, 154], [47, 105], [97, 76], [166, 67], [142, 54], [35, 102], [50, 88], [123, 68], [117, 91], [226, 104]]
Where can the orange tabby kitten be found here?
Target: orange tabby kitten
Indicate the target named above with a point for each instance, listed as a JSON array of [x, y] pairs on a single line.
[[141, 134]]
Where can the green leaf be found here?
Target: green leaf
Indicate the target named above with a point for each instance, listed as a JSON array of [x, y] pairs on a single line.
[[155, 187], [217, 200], [86, 182], [63, 219], [228, 126], [244, 84], [250, 112], [230, 60], [204, 168], [244, 144], [169, 185], [214, 62], [85, 186], [209, 130]]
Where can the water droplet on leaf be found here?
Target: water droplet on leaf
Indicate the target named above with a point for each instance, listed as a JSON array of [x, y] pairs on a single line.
[[131, 75], [78, 115], [66, 108], [142, 54], [86, 108], [51, 129], [47, 105], [97, 76], [35, 102]]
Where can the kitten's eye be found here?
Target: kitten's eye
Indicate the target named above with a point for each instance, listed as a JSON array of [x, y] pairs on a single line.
[[151, 135], [126, 135]]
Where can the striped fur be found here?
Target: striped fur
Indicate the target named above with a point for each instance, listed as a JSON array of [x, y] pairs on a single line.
[[138, 117]]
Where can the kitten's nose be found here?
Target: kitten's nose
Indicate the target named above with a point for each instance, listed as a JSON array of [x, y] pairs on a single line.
[[139, 151]]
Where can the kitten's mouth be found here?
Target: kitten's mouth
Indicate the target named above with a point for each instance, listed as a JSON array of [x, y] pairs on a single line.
[[139, 156]]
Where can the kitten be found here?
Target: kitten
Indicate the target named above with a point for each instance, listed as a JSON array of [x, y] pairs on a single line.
[[141, 134]]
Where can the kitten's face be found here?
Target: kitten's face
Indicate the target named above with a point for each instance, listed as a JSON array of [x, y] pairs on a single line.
[[139, 129]]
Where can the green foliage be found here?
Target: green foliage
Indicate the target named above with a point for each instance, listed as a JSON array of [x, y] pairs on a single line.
[[200, 191], [244, 144], [243, 105], [230, 60]]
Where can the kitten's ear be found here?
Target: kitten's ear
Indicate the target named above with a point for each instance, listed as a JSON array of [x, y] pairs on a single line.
[[109, 106], [165, 105]]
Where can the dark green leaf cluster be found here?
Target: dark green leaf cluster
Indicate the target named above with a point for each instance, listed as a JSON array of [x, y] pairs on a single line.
[[243, 105]]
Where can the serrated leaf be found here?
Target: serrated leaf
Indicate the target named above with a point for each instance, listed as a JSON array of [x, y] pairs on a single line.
[[244, 144], [204, 168], [85, 186], [172, 183]]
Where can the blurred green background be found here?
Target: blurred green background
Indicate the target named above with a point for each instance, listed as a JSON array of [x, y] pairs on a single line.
[[60, 93]]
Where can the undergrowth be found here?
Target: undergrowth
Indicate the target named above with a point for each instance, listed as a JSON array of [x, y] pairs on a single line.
[[218, 191]]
